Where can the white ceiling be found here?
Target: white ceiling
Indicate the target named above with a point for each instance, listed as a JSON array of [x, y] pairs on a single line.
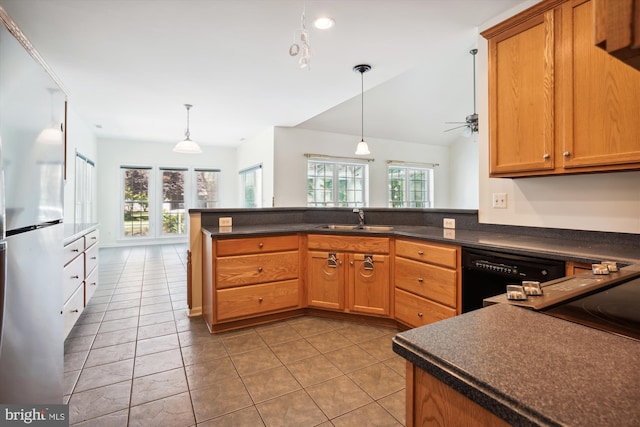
[[130, 65]]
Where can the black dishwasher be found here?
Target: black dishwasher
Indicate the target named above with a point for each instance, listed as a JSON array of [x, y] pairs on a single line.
[[487, 273]]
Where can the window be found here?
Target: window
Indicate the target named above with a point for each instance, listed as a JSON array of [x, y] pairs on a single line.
[[85, 183], [337, 184], [410, 186], [251, 187], [173, 202], [206, 186], [136, 201]]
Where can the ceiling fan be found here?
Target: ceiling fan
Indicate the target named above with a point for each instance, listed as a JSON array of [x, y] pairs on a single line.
[[471, 121]]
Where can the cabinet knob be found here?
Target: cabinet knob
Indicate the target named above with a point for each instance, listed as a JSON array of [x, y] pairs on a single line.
[[93, 257], [92, 283], [420, 253], [260, 269], [74, 310], [74, 250], [420, 314], [566, 154], [259, 299], [546, 156], [420, 279], [75, 277], [260, 245]]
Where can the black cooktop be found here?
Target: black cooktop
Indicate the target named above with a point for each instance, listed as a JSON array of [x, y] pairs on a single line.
[[616, 310]]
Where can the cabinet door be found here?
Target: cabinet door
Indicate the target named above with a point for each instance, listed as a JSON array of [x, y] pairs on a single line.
[[325, 284], [603, 99], [521, 97], [369, 283]]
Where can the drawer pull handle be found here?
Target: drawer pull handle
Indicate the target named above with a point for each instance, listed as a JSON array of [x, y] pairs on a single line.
[[260, 299], [420, 253], [420, 279], [260, 269], [75, 277], [75, 310], [420, 314], [93, 257], [260, 245], [92, 284], [94, 238], [75, 250]]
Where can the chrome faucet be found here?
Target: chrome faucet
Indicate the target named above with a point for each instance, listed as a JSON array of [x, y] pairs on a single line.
[[360, 213]]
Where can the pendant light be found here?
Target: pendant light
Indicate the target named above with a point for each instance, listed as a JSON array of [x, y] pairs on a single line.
[[187, 146], [53, 134], [363, 148]]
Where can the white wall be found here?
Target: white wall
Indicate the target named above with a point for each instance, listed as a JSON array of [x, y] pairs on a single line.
[[115, 153], [290, 188], [463, 174], [597, 202], [259, 150], [80, 138]]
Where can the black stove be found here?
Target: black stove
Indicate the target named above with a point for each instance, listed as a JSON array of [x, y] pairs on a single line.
[[615, 309]]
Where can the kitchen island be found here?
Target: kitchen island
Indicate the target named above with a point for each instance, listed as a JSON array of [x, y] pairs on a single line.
[[522, 368]]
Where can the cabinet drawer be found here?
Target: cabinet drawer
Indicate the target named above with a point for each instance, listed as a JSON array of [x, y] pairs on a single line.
[[252, 245], [73, 276], [91, 259], [72, 310], [416, 311], [251, 300], [258, 268], [90, 285], [73, 249], [91, 238], [430, 281], [444, 255], [342, 243]]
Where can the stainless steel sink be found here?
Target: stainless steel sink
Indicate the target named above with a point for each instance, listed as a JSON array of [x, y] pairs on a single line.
[[377, 227], [358, 227]]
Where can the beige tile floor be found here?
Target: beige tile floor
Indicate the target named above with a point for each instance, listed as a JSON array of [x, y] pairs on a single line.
[[135, 359]]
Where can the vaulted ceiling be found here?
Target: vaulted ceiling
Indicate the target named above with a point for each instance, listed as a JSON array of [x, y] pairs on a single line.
[[129, 65]]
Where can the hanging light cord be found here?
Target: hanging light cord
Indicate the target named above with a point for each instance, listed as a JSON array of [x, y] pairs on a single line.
[[362, 106], [474, 79], [187, 134]]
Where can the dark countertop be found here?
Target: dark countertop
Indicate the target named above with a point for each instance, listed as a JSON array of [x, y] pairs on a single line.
[[72, 231], [529, 368], [547, 247]]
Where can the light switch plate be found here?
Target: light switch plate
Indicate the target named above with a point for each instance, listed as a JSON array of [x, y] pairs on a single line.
[[225, 221]]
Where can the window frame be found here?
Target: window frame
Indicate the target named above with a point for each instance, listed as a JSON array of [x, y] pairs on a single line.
[[407, 200], [242, 175], [336, 186]]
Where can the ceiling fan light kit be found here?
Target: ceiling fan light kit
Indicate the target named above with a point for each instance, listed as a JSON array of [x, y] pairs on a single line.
[[301, 44], [362, 149], [471, 121], [187, 146]]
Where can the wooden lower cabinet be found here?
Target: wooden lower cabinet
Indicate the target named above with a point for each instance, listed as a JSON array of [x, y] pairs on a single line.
[[417, 311], [257, 299], [369, 284], [430, 402], [325, 280]]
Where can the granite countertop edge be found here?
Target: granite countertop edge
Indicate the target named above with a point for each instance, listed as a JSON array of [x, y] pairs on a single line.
[[563, 250]]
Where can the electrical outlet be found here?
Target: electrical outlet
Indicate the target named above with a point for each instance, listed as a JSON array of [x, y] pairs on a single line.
[[500, 200], [449, 223], [224, 221]]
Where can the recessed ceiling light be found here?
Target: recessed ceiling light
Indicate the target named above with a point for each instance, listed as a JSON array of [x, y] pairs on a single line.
[[324, 23]]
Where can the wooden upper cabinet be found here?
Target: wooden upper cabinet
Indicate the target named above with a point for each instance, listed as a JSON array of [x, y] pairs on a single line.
[[603, 99], [558, 104], [521, 87]]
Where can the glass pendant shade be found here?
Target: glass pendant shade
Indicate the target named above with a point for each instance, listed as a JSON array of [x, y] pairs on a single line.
[[187, 146], [50, 136], [362, 149]]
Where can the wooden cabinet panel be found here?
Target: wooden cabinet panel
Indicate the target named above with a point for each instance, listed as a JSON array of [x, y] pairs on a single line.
[[416, 311], [91, 259], [251, 245], [342, 243], [72, 310], [260, 268], [430, 281], [326, 280], [432, 252], [73, 277], [73, 249], [369, 284], [248, 301], [604, 94], [521, 85], [617, 29], [91, 238]]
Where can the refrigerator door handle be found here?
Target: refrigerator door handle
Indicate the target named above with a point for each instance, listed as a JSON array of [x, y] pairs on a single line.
[[3, 283]]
